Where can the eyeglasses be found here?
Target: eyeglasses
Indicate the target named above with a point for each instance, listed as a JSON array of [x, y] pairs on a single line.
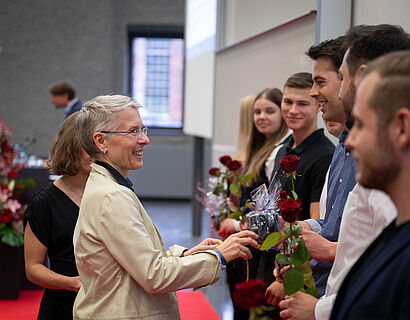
[[134, 133]]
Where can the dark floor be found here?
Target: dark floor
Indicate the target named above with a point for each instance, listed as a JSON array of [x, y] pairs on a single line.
[[174, 221]]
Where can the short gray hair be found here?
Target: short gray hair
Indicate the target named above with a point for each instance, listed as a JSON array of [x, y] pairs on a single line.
[[99, 114]]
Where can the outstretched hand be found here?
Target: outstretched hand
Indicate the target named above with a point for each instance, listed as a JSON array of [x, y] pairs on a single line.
[[207, 244], [235, 245]]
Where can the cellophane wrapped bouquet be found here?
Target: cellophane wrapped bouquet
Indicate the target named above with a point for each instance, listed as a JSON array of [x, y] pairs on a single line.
[[221, 198]]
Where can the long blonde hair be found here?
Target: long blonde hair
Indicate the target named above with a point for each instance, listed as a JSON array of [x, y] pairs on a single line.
[[245, 126], [259, 147]]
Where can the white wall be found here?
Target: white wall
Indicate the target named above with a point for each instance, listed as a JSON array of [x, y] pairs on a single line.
[[249, 67], [245, 18], [382, 11]]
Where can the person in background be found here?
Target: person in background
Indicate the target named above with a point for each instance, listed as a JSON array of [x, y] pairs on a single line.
[[245, 126], [268, 132], [62, 95], [125, 270], [50, 219], [299, 110]]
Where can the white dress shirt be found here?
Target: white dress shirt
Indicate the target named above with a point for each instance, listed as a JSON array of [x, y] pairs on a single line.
[[367, 212], [270, 161]]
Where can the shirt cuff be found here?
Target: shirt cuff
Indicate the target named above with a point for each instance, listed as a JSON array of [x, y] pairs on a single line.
[[314, 225], [221, 257], [324, 307], [237, 225]]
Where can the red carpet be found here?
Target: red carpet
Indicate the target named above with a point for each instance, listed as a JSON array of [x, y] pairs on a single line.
[[193, 305]]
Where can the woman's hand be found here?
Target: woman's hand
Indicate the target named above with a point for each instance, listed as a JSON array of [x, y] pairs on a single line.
[[74, 283], [235, 245], [207, 244], [35, 254]]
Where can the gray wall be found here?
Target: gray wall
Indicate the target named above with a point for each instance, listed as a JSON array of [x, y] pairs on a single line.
[[83, 42]]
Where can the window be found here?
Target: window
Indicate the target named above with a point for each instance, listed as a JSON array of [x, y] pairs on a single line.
[[157, 74]]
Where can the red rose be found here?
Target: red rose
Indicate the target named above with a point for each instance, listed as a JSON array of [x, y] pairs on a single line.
[[249, 294], [225, 160], [283, 194], [290, 209], [234, 165], [289, 163], [214, 172], [12, 174], [5, 217], [5, 147]]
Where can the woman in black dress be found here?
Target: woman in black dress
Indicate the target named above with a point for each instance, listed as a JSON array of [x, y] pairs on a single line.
[[50, 221]]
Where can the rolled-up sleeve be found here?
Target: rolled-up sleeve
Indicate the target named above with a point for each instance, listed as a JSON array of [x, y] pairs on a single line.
[[315, 224]]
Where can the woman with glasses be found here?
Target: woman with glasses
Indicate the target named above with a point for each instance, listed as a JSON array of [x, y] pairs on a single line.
[[50, 220], [125, 270]]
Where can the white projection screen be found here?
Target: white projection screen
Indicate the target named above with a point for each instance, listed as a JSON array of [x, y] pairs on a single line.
[[200, 31]]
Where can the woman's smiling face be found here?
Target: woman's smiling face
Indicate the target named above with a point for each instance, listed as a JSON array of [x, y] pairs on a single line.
[[124, 151], [267, 117]]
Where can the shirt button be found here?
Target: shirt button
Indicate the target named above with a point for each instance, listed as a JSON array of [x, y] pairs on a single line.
[[333, 206], [340, 180], [347, 154]]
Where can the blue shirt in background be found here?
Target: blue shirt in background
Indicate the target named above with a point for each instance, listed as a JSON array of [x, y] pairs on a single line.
[[340, 182]]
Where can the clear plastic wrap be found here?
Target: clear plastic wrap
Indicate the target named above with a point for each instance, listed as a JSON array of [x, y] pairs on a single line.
[[214, 204], [264, 217]]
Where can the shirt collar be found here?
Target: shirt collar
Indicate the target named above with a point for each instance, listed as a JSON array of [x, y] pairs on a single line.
[[68, 107], [117, 176], [343, 136], [305, 143]]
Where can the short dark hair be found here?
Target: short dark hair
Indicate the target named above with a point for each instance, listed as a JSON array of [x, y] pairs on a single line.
[[300, 80], [334, 49], [392, 91], [65, 152], [61, 88], [370, 42]]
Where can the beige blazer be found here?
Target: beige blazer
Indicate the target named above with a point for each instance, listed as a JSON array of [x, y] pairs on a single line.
[[125, 270]]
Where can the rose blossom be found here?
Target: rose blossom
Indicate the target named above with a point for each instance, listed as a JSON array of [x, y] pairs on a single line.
[[225, 160], [234, 165], [249, 294], [5, 217], [283, 194], [12, 174], [5, 147], [214, 172], [290, 209], [289, 163]]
